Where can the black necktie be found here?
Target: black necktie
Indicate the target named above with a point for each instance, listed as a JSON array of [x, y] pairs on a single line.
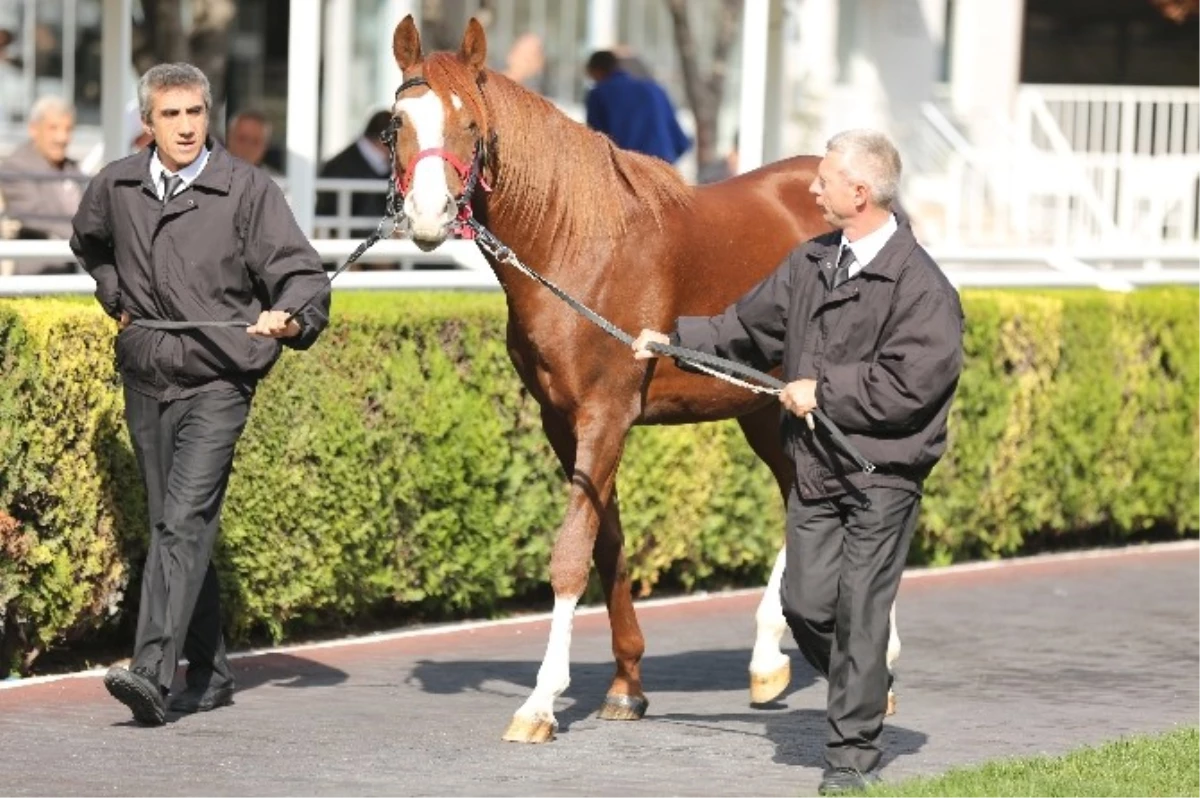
[[171, 184], [842, 273]]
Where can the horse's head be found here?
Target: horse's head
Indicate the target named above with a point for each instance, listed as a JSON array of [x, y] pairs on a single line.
[[441, 127]]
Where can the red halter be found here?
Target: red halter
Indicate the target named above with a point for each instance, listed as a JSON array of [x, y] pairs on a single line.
[[461, 229]]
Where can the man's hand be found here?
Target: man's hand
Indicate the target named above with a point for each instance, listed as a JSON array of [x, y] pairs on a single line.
[[800, 398], [124, 321], [646, 337], [274, 324]]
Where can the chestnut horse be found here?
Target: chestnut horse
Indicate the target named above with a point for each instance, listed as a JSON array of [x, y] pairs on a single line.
[[625, 235]]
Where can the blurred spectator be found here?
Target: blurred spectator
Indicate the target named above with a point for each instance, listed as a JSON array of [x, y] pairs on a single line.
[[526, 60], [12, 83], [720, 169], [365, 159], [248, 136], [631, 62], [138, 134], [635, 113], [42, 187]]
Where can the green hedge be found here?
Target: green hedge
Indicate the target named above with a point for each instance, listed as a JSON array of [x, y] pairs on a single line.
[[399, 467]]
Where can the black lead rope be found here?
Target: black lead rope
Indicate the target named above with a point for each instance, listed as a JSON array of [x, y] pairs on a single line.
[[727, 370]]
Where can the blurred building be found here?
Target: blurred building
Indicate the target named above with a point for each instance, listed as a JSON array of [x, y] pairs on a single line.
[[1035, 122]]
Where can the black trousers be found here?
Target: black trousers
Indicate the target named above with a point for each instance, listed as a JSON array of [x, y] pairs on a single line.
[[185, 451], [845, 557]]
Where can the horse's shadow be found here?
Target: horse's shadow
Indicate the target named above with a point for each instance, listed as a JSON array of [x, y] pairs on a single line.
[[684, 672], [798, 734]]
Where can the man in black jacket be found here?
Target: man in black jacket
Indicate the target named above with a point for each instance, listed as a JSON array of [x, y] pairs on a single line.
[[868, 329], [184, 232], [366, 158]]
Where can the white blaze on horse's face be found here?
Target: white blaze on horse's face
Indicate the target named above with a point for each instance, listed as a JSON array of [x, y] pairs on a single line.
[[429, 205]]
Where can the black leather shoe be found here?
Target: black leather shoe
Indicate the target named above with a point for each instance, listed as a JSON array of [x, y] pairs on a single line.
[[140, 692], [839, 780], [202, 699]]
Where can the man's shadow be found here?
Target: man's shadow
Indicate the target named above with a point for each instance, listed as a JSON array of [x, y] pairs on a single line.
[[276, 669], [799, 735]]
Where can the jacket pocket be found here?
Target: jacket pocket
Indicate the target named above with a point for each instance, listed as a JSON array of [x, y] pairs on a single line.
[[225, 352]]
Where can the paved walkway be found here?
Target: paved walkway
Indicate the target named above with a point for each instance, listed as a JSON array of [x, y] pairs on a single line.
[[1037, 657]]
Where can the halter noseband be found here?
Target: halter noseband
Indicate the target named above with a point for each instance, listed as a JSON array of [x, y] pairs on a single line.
[[471, 175]]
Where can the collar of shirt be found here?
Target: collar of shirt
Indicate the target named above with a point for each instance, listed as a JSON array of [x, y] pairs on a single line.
[[374, 158], [866, 248], [189, 173]]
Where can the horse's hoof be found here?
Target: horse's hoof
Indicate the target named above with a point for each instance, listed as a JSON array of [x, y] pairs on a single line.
[[624, 707], [766, 687], [530, 730], [891, 707]]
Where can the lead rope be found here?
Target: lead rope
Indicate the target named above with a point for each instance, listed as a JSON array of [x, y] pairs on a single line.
[[726, 370]]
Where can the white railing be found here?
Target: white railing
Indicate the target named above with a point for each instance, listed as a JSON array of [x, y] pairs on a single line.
[[342, 223], [1124, 120], [1076, 166], [1109, 163], [1111, 268], [456, 258]]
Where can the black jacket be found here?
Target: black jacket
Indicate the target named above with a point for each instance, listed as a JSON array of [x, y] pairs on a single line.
[[225, 248], [885, 348]]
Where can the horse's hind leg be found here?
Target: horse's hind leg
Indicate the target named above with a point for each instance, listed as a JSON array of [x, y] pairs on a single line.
[[893, 654], [625, 699], [770, 668]]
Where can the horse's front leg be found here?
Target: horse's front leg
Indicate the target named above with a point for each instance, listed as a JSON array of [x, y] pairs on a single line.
[[598, 448]]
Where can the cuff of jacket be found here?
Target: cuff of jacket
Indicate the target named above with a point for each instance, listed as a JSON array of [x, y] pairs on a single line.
[[676, 340], [312, 321]]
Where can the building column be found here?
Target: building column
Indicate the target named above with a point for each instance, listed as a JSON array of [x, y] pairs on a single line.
[[602, 24], [811, 65], [338, 123], [387, 74], [756, 22], [116, 43], [985, 63], [303, 116]]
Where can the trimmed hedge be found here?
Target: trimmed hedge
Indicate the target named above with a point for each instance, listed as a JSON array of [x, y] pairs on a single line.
[[398, 467]]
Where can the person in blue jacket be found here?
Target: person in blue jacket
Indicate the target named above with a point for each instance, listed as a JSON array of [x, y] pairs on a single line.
[[634, 112]]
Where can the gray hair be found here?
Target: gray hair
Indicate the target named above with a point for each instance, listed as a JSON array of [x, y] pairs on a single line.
[[170, 76], [50, 105], [870, 158]]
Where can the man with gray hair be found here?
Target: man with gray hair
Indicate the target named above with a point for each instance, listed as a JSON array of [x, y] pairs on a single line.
[[40, 184], [198, 258], [868, 329]]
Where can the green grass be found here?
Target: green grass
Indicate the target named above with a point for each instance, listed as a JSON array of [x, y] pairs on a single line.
[[1167, 764]]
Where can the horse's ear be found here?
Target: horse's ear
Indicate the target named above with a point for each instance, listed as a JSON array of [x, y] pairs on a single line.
[[406, 43], [473, 51]]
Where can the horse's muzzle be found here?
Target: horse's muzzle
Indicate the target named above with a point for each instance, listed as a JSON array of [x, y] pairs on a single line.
[[427, 244]]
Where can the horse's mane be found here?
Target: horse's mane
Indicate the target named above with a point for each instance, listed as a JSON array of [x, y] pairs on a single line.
[[560, 179]]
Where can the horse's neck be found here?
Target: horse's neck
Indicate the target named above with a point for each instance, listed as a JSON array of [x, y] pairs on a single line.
[[542, 250]]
